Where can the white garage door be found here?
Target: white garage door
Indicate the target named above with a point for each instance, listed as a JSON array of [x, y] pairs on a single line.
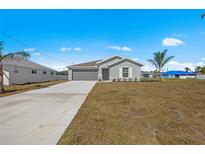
[[85, 74]]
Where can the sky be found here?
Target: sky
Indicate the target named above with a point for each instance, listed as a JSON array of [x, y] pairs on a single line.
[[58, 38]]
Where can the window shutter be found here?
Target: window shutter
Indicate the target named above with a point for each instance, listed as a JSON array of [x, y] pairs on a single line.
[[130, 72], [120, 72]]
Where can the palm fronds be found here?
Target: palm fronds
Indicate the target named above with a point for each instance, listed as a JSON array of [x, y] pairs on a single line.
[[160, 59], [20, 55]]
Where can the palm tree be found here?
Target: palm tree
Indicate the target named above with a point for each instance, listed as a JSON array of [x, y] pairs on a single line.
[[160, 60], [187, 69], [198, 69], [203, 70], [19, 55]]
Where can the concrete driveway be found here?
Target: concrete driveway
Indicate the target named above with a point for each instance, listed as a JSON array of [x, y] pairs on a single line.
[[41, 116]]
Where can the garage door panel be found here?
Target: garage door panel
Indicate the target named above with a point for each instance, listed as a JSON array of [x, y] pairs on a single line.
[[85, 74]]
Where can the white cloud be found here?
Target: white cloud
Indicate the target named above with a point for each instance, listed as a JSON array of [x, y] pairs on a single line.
[[36, 54], [114, 47], [126, 49], [55, 66], [76, 49], [29, 49], [179, 35], [171, 42], [174, 65], [58, 67], [135, 59], [64, 49], [203, 59], [200, 64], [146, 68]]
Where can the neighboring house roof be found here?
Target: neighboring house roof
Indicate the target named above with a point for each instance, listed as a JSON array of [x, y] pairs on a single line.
[[25, 64], [126, 59], [178, 73]]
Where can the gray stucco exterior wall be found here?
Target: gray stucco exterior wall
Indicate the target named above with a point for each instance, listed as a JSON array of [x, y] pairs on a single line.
[[105, 65], [21, 75], [70, 74], [135, 71], [200, 76]]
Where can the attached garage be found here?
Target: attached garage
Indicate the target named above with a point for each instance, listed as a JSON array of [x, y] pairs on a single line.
[[85, 74]]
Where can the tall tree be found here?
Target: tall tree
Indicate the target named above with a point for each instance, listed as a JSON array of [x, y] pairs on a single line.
[[19, 55], [198, 69], [187, 69], [159, 60]]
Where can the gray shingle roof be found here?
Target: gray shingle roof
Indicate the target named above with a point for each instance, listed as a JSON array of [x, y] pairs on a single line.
[[25, 64], [126, 59], [91, 63]]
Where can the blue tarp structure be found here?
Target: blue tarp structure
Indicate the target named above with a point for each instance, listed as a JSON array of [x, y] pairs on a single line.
[[177, 73]]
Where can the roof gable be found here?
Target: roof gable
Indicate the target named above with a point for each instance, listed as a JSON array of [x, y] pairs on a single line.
[[90, 63], [126, 59], [108, 59]]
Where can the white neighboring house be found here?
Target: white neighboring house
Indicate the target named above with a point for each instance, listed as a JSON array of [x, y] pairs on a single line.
[[200, 76], [179, 74], [21, 72]]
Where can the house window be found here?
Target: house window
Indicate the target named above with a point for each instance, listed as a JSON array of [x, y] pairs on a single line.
[[44, 72], [33, 71], [52, 73], [125, 72]]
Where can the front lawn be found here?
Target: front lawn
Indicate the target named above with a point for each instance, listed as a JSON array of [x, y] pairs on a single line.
[[170, 112]]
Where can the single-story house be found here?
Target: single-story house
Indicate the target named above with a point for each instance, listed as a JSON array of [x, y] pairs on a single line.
[[21, 72], [112, 68], [178, 74]]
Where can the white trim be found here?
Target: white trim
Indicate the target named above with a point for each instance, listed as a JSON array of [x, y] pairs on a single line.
[[130, 72], [125, 59], [127, 72], [120, 72]]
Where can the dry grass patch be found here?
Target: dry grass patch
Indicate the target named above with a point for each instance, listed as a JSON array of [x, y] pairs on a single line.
[[14, 89], [170, 112]]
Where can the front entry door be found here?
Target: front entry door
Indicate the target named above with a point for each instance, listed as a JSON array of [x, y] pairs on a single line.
[[105, 73]]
